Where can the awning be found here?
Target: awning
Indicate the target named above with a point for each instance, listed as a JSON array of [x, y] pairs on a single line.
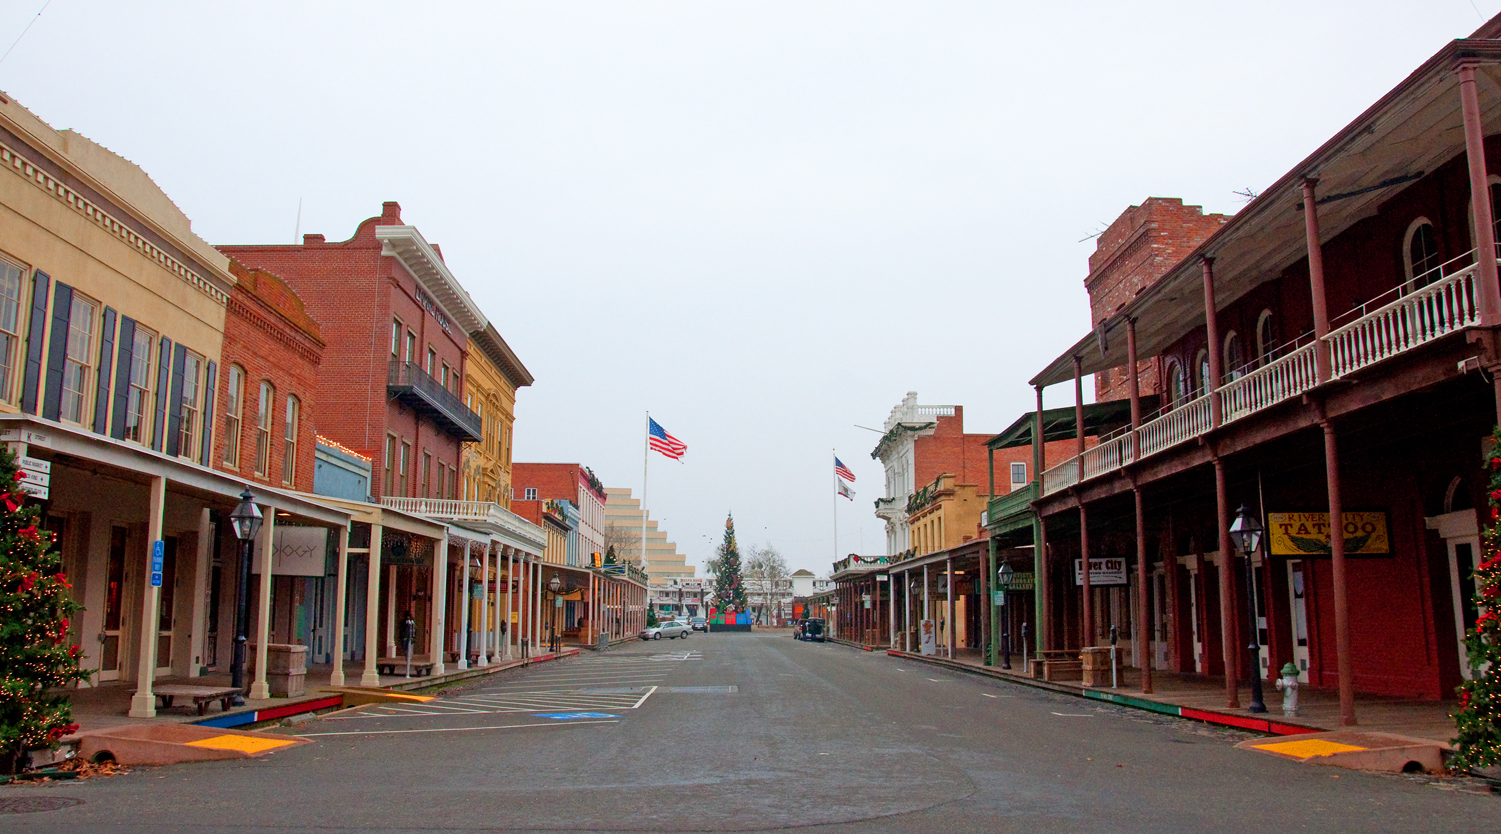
[[1059, 423]]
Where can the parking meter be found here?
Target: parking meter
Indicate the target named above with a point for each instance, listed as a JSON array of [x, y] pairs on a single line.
[[1115, 635], [408, 637]]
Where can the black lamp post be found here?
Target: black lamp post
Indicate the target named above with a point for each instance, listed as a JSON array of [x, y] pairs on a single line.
[[1003, 580], [1245, 533], [247, 523]]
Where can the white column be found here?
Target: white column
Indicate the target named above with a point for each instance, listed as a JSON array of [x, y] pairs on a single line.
[[537, 607], [907, 610], [439, 600], [484, 607], [260, 690], [341, 588], [510, 577], [890, 608], [949, 629], [370, 677], [191, 660], [143, 702], [391, 611], [926, 614], [464, 611]]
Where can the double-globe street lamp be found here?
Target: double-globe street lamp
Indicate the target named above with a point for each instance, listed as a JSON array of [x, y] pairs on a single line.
[[1245, 534], [246, 519], [558, 590]]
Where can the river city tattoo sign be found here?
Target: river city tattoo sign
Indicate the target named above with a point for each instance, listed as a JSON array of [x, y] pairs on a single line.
[[1307, 534]]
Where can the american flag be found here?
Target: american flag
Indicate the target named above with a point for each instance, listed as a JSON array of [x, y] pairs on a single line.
[[843, 471], [659, 439]]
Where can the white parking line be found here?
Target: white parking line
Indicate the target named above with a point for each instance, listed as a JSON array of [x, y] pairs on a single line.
[[652, 690], [456, 729]]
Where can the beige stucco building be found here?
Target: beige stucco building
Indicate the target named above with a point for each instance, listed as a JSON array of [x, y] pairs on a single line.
[[492, 375]]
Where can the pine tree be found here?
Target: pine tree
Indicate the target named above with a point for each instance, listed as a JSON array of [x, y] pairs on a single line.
[[1478, 744], [35, 605], [729, 590]]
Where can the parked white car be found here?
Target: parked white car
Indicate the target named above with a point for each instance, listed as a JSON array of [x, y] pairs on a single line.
[[669, 628]]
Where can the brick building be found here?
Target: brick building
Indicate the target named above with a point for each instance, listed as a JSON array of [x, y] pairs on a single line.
[[1137, 249], [572, 482], [1361, 291], [268, 399], [397, 324]]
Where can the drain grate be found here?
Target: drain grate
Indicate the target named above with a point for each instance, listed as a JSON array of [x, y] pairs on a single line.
[[704, 690], [33, 804]]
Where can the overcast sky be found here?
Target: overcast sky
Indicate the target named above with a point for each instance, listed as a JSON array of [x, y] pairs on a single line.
[[764, 222]]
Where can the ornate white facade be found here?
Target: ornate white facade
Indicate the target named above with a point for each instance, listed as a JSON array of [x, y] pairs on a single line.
[[908, 421]]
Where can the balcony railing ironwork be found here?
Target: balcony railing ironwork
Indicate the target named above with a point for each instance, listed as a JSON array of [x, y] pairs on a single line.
[[408, 382], [483, 515], [1414, 318]]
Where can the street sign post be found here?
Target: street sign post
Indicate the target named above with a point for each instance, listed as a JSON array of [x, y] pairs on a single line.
[[158, 553]]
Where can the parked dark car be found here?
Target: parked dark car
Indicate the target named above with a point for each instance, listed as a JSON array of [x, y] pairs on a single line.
[[812, 630], [698, 623]]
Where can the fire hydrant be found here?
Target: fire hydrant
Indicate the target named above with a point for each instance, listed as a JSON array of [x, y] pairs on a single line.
[[1288, 683]]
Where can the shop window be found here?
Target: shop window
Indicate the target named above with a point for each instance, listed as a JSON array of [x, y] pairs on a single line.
[[1420, 253], [10, 327], [78, 363], [190, 407], [289, 443], [234, 407], [263, 430], [138, 402], [1266, 338]]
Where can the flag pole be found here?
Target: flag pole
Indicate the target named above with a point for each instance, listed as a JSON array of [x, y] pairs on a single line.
[[833, 456], [645, 458]]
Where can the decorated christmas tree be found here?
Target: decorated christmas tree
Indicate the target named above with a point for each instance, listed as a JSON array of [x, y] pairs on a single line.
[[1478, 744], [35, 604], [729, 590]]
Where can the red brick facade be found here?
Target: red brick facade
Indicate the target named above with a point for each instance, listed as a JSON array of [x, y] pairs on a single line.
[[268, 338], [358, 294], [1142, 244]]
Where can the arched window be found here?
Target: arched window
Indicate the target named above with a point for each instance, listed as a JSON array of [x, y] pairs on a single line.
[[1177, 384], [263, 430], [1234, 356], [1202, 382], [1420, 253], [289, 446], [234, 405], [1266, 337]]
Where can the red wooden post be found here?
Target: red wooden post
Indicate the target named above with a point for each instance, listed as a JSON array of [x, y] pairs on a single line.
[[1212, 334], [1143, 628], [1229, 633], [1480, 202], [1088, 608], [1322, 366], [1342, 658]]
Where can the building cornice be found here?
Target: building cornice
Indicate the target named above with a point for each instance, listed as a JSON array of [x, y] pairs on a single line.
[[407, 245]]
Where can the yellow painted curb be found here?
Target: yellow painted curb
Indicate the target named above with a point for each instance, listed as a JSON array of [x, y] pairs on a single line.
[[244, 744], [1307, 748]]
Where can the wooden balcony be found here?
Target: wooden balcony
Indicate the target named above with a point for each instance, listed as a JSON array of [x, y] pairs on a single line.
[[1011, 511], [1416, 317]]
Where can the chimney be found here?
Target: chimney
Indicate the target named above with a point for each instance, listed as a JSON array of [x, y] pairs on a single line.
[[310, 239], [390, 213]]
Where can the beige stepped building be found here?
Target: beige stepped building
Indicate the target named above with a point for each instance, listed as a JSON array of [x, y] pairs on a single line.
[[663, 561]]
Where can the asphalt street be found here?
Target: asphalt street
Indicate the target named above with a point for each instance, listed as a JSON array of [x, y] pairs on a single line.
[[754, 732]]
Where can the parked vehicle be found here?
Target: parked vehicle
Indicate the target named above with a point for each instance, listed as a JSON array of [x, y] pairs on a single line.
[[699, 623], [669, 628], [812, 630]]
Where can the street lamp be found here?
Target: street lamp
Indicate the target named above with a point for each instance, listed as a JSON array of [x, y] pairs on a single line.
[[1003, 580], [1245, 533], [246, 519], [558, 589]]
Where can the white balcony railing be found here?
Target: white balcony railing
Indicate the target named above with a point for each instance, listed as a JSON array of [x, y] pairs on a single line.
[[1183, 423], [485, 515], [1413, 319], [1287, 377]]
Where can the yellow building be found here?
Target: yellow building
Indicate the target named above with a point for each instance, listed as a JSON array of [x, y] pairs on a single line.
[[944, 514], [492, 375]]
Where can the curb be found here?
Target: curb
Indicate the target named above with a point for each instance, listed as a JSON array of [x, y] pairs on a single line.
[[1240, 722], [263, 715]]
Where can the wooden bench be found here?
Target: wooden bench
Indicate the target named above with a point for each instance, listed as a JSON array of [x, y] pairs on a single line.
[[422, 665], [202, 696]]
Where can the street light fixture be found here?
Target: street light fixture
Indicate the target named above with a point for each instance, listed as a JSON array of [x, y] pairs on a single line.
[[1004, 577], [1245, 534], [558, 589], [246, 519]]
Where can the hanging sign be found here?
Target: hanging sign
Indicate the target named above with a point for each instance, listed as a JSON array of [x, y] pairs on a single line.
[[1307, 534], [298, 551], [1109, 570]]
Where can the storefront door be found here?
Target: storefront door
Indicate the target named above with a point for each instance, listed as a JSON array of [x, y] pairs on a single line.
[[113, 635], [165, 610], [1461, 536], [1297, 591]]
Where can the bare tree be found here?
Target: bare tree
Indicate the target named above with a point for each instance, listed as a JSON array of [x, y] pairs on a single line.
[[626, 540], [766, 574]]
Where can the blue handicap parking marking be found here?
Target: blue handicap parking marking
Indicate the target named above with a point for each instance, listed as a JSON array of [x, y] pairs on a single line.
[[570, 716]]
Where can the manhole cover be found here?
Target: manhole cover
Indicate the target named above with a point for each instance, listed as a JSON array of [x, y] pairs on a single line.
[[703, 690], [33, 804]]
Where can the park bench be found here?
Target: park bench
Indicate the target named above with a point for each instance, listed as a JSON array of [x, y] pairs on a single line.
[[201, 696], [422, 665]]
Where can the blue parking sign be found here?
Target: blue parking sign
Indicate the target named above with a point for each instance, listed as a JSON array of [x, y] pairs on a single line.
[[158, 552]]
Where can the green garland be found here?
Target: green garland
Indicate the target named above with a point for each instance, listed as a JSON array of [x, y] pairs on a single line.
[[1478, 718]]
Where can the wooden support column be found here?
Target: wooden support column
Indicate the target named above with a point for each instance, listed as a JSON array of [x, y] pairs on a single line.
[[143, 702], [341, 586], [1212, 335], [949, 630], [463, 641], [1480, 203], [1143, 627], [370, 677], [987, 601], [260, 689], [1046, 639], [1229, 633], [439, 602], [1086, 637], [1342, 659], [1039, 549], [1322, 365]]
